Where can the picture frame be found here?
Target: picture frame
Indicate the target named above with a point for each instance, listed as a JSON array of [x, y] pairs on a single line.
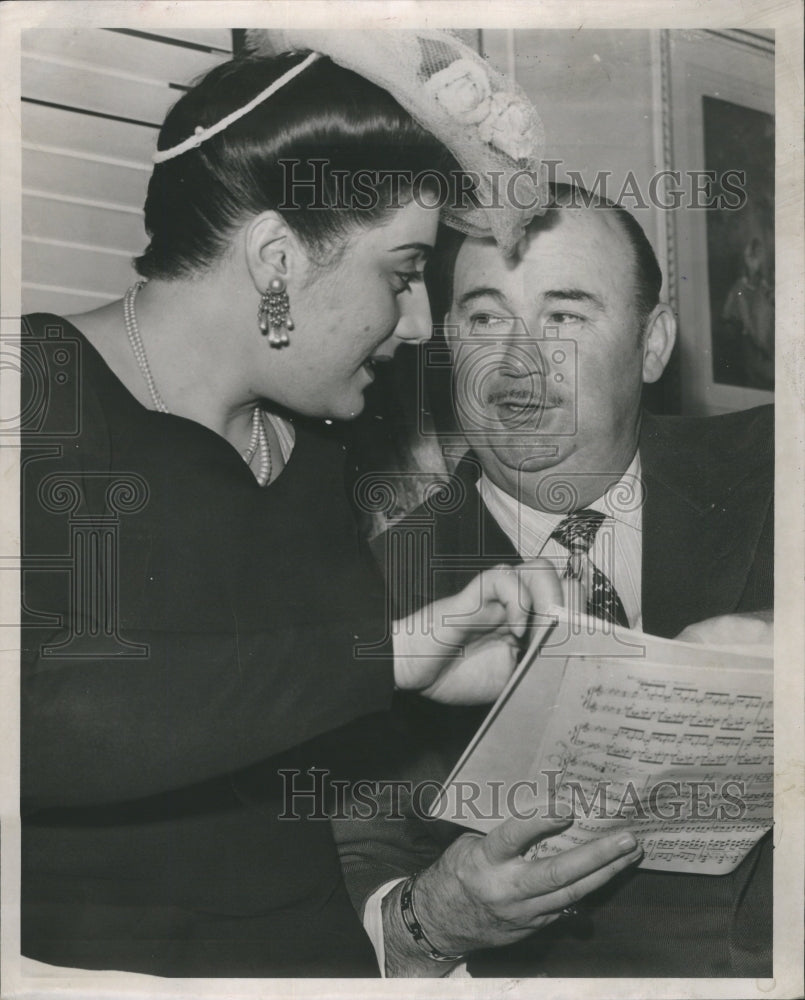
[[718, 98]]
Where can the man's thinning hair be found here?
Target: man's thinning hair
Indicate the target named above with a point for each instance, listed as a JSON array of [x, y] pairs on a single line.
[[647, 273]]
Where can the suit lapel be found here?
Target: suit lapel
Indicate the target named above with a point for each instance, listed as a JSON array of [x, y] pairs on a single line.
[[467, 540], [702, 517], [675, 540]]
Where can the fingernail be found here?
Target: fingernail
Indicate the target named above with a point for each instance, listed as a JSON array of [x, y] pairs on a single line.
[[626, 842]]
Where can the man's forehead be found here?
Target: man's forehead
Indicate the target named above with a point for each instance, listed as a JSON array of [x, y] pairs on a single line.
[[482, 253], [564, 238]]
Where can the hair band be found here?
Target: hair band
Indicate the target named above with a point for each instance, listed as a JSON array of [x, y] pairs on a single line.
[[202, 134]]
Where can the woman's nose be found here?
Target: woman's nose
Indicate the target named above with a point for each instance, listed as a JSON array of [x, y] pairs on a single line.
[[416, 323]]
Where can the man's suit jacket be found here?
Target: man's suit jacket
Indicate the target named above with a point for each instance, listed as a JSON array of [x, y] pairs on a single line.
[[707, 551]]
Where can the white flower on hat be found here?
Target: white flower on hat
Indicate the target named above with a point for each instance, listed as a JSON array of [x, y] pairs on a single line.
[[509, 126], [462, 89]]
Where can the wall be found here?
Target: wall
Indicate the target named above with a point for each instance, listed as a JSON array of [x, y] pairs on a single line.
[[593, 90], [93, 100]]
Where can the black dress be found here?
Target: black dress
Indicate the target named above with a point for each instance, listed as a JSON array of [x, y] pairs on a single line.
[[188, 655]]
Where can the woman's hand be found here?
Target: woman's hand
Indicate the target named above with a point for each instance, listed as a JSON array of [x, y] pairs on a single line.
[[482, 893], [463, 649]]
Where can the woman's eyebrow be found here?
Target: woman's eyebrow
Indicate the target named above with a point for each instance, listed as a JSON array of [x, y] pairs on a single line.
[[423, 248]]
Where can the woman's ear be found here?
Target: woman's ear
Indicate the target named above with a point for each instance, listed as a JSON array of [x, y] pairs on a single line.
[[270, 249], [658, 342]]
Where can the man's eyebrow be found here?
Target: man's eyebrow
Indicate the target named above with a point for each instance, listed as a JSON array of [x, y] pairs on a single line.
[[481, 292], [575, 295]]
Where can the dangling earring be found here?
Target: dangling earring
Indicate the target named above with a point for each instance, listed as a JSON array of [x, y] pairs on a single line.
[[275, 313]]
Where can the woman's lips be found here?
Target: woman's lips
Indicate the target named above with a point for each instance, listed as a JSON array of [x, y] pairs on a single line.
[[375, 361]]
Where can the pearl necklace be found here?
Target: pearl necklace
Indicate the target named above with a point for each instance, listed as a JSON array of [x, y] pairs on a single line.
[[258, 440]]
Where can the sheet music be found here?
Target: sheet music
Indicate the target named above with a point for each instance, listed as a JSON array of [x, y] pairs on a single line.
[[671, 740], [683, 758]]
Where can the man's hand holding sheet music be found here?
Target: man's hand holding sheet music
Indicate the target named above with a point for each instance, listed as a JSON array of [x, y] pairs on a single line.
[[482, 892]]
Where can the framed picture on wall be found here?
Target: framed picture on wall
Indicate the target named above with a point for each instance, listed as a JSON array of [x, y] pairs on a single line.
[[720, 116]]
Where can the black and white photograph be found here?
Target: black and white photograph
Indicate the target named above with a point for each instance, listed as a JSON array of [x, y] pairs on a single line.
[[402, 426]]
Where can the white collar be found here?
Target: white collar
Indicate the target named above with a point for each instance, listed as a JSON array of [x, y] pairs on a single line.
[[622, 502]]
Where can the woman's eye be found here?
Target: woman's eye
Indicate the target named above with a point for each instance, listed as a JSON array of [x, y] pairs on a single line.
[[407, 278]]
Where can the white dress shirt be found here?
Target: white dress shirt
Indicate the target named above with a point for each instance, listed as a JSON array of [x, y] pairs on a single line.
[[529, 531], [373, 925]]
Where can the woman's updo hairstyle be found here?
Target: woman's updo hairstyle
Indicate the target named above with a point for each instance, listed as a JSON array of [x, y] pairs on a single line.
[[197, 200]]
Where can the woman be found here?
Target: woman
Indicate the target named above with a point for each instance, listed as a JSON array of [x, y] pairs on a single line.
[[222, 638]]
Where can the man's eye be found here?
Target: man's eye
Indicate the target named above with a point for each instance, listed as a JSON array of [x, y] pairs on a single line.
[[486, 321], [407, 278], [563, 319]]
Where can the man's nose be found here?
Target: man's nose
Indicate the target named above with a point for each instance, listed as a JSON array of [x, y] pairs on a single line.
[[416, 323], [524, 356]]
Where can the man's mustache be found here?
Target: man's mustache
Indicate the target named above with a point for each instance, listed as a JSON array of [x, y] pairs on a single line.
[[536, 396]]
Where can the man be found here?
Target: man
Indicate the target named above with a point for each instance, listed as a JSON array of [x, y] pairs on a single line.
[[662, 522]]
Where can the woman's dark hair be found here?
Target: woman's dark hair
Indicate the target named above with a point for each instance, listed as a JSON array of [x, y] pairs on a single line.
[[198, 199]]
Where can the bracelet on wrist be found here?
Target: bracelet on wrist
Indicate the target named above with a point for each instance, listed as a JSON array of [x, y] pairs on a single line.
[[414, 927]]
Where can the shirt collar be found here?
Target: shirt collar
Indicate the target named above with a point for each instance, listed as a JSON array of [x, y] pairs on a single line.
[[622, 502]]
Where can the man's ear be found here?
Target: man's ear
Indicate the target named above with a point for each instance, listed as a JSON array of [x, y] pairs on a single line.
[[658, 342], [270, 248]]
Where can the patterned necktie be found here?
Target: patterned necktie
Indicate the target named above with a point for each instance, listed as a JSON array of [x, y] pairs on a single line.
[[577, 532]]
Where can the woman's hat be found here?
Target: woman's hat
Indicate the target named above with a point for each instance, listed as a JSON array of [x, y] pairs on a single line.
[[484, 119]]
